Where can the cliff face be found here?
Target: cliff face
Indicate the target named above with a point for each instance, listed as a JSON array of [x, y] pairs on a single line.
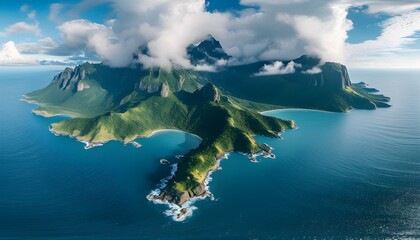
[[150, 87], [334, 76], [155, 85], [71, 79], [176, 79]]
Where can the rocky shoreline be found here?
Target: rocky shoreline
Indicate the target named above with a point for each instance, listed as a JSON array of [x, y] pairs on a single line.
[[181, 207]]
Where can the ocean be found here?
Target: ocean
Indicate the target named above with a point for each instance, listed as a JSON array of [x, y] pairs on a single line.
[[339, 175]]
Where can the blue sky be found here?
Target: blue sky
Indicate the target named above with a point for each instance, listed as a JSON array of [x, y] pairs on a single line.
[[374, 33], [365, 26]]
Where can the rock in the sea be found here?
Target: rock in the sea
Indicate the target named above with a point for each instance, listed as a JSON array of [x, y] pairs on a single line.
[[182, 213], [183, 198], [200, 190]]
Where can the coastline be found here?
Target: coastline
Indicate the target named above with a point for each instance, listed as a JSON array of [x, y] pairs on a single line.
[[44, 113], [167, 130], [298, 109], [178, 213], [27, 99], [181, 213], [181, 210], [90, 144]]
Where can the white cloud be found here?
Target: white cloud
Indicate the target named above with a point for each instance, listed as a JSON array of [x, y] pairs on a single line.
[[88, 36], [273, 2], [324, 38], [287, 30], [32, 14], [22, 27], [396, 36], [321, 29], [55, 10], [167, 27], [278, 68], [9, 55], [391, 6], [374, 6], [79, 33], [42, 46], [24, 8], [205, 68], [184, 24], [314, 70], [279, 29]]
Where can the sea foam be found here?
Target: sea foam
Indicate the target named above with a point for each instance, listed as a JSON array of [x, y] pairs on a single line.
[[175, 211]]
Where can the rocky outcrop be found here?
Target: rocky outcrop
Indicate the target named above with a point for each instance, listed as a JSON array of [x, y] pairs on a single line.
[[210, 93], [82, 86], [181, 82], [63, 77], [164, 92], [70, 78], [170, 194], [150, 87]]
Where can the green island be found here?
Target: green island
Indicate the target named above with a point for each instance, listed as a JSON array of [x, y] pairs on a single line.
[[222, 107]]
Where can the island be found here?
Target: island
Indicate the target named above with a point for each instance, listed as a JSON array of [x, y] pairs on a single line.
[[222, 107]]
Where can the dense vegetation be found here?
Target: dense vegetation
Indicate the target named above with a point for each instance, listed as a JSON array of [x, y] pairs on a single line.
[[222, 124], [329, 90]]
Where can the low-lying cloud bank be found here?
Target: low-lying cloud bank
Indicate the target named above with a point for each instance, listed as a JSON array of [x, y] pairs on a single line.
[[278, 68]]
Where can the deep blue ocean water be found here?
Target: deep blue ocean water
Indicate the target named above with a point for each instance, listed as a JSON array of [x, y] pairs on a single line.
[[354, 175]]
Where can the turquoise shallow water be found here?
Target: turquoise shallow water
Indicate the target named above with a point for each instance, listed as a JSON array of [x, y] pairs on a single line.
[[353, 175]]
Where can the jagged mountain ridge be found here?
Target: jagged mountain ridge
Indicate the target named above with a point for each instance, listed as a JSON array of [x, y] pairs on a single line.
[[209, 52], [90, 90], [71, 91]]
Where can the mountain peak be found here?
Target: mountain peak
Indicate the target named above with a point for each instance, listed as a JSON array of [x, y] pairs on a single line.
[[210, 38], [210, 93], [209, 51]]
